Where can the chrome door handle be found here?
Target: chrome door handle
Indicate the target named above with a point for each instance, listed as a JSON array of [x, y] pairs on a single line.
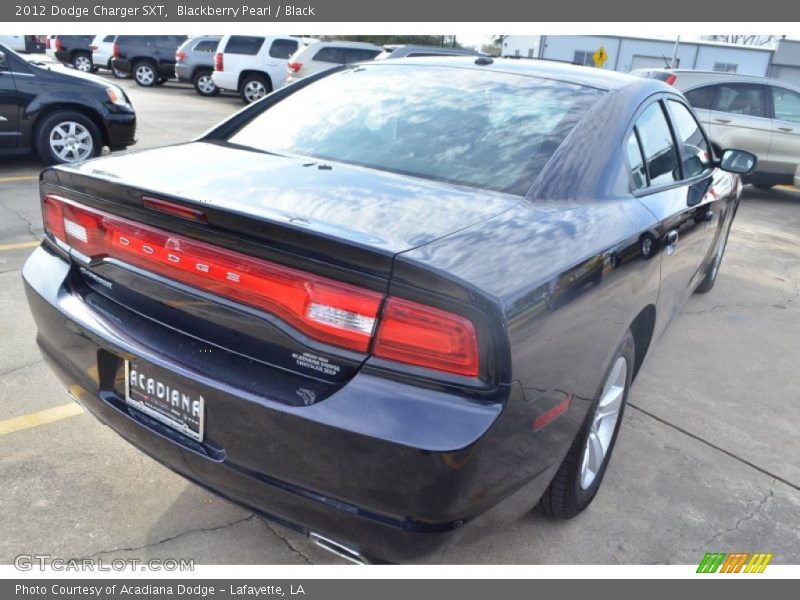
[[786, 128], [722, 120]]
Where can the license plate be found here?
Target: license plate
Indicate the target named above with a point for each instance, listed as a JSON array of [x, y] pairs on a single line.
[[160, 395]]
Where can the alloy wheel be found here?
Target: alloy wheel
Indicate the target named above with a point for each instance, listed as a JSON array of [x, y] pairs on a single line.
[[83, 63], [604, 422], [145, 74], [205, 84], [254, 90], [71, 142]]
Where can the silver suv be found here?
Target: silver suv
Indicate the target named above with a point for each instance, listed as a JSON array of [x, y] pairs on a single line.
[[757, 114]]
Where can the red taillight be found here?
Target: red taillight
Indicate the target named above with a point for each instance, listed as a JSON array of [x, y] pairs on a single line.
[[93, 48], [671, 79], [218, 63], [294, 67], [427, 337], [58, 44], [47, 43], [116, 50], [180, 55], [325, 309]]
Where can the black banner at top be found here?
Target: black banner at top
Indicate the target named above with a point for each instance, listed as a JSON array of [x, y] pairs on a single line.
[[441, 11]]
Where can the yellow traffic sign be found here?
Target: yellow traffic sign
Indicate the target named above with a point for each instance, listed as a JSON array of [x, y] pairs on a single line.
[[600, 57]]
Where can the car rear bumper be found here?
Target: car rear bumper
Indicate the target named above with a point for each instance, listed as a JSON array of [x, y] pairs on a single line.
[[183, 73], [226, 80], [123, 65], [370, 484]]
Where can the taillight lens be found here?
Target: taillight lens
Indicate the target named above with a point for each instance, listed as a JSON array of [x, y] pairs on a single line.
[[58, 44], [427, 337], [93, 48], [218, 63], [47, 43], [180, 55], [670, 79], [116, 50], [294, 67], [325, 309]]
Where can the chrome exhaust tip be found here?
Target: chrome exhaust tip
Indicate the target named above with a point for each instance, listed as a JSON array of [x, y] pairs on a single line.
[[338, 549]]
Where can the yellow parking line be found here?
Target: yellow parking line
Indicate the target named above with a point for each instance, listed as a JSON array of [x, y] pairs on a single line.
[[42, 417], [19, 178], [19, 245]]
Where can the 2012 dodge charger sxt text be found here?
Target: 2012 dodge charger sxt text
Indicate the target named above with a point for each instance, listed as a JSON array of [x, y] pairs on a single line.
[[391, 303]]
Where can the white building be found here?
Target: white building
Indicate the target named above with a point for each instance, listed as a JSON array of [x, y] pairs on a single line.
[[628, 53]]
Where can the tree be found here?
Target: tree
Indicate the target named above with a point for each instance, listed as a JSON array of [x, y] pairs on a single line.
[[743, 40]]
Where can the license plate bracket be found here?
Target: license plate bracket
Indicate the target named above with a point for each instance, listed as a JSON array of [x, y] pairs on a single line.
[[163, 396]]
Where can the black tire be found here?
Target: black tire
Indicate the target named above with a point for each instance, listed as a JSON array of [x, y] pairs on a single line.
[[203, 84], [116, 72], [565, 497], [145, 73], [162, 80], [46, 128], [82, 61], [763, 186], [707, 283], [253, 81]]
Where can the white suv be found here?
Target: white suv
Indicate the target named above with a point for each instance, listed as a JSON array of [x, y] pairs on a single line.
[[102, 52], [321, 56], [253, 65]]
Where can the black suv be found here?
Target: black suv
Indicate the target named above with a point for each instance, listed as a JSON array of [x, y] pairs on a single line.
[[150, 59], [64, 115], [75, 50]]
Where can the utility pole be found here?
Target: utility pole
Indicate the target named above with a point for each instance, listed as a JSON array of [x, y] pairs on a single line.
[[675, 52]]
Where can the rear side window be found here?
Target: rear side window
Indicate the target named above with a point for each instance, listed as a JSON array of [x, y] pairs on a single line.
[[331, 54], [702, 97], [787, 104], [477, 128], [694, 146], [741, 99], [636, 162], [659, 149], [361, 54], [206, 46], [283, 48], [109, 38], [244, 44]]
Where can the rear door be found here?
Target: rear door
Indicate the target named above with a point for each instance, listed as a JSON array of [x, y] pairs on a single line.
[[671, 175], [739, 119], [9, 106], [278, 57], [784, 152]]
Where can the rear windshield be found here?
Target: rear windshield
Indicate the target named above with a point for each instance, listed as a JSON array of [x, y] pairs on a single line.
[[464, 126]]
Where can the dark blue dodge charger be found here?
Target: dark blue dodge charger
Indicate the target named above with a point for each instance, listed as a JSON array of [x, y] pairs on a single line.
[[392, 304]]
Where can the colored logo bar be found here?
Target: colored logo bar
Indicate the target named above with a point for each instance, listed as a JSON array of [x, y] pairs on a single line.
[[735, 562]]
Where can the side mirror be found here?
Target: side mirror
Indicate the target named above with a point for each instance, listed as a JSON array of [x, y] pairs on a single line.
[[737, 161]]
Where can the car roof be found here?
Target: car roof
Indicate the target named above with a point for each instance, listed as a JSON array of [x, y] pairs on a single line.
[[579, 75], [345, 44], [698, 77]]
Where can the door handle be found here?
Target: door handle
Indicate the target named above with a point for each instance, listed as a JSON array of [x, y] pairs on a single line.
[[672, 237], [722, 120], [786, 128]]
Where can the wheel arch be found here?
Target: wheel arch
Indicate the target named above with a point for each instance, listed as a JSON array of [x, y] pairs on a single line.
[[247, 72], [87, 112]]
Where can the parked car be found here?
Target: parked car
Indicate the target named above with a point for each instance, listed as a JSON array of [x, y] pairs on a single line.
[[62, 114], [343, 316], [149, 59], [14, 42], [252, 65], [102, 48], [50, 47], [321, 56], [416, 51], [74, 50], [757, 114], [194, 63]]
